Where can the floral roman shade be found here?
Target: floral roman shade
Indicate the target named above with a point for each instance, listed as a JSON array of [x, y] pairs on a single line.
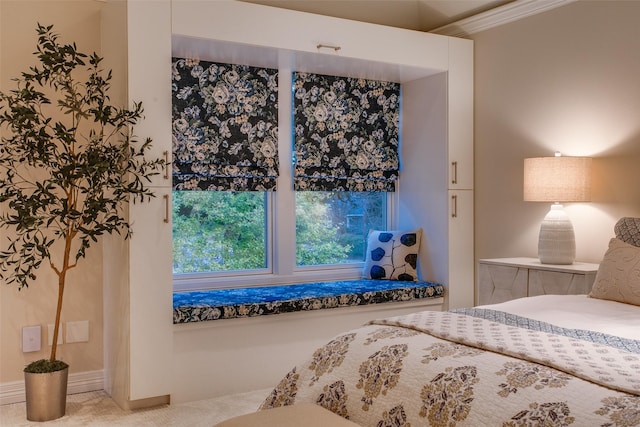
[[346, 133], [225, 126]]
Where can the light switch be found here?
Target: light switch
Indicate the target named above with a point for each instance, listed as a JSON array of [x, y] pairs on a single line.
[[50, 334], [78, 331], [31, 338]]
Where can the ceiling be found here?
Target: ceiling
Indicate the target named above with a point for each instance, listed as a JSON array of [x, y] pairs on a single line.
[[420, 15]]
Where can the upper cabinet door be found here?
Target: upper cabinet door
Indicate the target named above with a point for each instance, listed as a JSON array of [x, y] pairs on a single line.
[[314, 42], [149, 77], [460, 92]]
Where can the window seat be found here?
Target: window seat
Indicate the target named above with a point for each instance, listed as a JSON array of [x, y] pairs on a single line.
[[198, 306]]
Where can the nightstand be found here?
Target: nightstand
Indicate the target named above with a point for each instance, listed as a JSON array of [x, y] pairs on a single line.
[[503, 279]]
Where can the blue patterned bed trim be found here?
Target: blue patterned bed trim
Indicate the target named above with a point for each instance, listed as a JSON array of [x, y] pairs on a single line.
[[217, 304], [509, 319]]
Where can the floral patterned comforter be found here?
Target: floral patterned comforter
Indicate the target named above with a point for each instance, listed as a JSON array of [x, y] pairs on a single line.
[[476, 367]]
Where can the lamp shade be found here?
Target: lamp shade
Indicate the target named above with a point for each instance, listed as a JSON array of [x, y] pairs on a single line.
[[557, 179]]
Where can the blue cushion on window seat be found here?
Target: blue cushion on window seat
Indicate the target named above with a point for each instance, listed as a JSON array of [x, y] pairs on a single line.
[[196, 306]]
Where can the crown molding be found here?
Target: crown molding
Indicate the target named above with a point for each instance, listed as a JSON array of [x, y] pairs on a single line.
[[509, 12]]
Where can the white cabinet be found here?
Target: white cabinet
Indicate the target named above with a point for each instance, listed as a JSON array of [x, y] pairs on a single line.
[[436, 191], [460, 114], [461, 259], [138, 305], [503, 279], [460, 173], [150, 259], [286, 35], [151, 303]]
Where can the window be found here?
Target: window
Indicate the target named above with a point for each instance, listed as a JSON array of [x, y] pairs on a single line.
[[230, 225], [219, 231], [346, 160], [332, 227], [225, 163], [222, 233]]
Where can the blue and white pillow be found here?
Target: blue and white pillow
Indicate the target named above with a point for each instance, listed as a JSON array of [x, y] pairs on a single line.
[[392, 255]]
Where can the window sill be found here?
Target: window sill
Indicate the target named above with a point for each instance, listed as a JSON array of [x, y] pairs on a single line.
[[216, 304]]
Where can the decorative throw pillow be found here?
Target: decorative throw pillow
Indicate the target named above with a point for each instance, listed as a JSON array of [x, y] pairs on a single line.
[[618, 277], [392, 255], [628, 230]]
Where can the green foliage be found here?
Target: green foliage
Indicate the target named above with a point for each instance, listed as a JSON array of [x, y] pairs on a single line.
[[65, 176], [68, 163], [332, 227], [218, 231], [45, 366], [221, 231], [317, 231]]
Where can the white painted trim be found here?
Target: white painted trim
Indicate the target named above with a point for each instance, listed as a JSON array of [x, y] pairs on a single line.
[[229, 356], [81, 382], [509, 12]]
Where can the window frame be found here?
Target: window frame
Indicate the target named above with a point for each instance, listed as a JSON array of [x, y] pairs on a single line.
[[281, 268]]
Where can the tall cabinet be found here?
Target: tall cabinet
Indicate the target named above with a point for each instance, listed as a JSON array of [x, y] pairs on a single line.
[[138, 278], [436, 186], [460, 176]]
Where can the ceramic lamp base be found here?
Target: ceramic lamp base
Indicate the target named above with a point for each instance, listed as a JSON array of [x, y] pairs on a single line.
[[557, 242]]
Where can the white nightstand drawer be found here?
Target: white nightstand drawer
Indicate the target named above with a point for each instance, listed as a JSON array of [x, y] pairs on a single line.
[[503, 279]]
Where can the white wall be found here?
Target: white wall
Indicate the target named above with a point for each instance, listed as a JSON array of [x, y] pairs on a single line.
[[422, 200], [238, 355], [565, 80]]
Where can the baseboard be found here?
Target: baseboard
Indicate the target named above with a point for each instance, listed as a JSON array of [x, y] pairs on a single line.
[[81, 382]]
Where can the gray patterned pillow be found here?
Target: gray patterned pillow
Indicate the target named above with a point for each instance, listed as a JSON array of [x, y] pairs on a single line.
[[628, 230]]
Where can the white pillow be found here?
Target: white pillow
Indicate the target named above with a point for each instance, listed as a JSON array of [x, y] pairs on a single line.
[[618, 277], [392, 255]]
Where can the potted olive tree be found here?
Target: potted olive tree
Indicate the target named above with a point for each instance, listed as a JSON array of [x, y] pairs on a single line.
[[68, 165]]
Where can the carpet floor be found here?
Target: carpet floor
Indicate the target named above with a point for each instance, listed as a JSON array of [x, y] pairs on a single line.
[[97, 409]]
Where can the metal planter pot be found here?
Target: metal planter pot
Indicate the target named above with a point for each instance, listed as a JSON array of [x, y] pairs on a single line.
[[46, 395]]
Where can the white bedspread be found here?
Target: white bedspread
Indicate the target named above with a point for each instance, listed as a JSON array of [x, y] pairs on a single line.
[[577, 312]]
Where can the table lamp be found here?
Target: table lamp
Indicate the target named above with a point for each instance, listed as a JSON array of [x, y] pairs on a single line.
[[557, 179]]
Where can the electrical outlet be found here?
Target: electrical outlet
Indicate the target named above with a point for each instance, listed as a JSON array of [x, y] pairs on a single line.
[[31, 338], [78, 331], [50, 334]]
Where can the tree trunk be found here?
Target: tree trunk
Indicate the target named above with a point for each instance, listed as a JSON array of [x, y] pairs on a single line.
[[62, 274]]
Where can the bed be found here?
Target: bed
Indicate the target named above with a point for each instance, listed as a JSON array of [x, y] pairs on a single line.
[[546, 360]]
